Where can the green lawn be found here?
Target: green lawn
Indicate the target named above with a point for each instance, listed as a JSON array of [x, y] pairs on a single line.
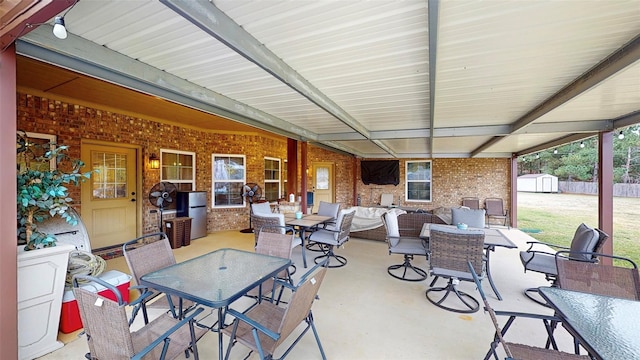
[[556, 216]]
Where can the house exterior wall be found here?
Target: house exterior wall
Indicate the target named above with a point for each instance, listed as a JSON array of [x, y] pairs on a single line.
[[452, 179]]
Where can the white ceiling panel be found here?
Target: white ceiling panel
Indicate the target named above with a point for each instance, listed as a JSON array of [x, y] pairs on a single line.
[[507, 76]]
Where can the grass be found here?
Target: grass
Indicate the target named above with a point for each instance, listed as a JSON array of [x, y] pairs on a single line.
[[556, 216]]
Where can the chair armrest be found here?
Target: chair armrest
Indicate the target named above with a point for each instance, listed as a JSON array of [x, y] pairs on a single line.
[[166, 334], [253, 324], [533, 243]]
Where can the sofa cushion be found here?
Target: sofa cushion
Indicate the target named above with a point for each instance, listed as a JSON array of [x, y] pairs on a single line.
[[584, 240]]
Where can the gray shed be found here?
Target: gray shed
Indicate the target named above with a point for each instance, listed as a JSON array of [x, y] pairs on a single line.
[[538, 183]]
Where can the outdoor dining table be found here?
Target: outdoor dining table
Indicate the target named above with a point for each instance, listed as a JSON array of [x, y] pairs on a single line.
[[307, 221], [216, 279], [493, 238], [607, 327]]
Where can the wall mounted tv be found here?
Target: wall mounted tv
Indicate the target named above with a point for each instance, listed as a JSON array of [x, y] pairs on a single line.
[[380, 172]]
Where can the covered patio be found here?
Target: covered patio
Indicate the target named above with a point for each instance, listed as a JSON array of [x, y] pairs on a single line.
[[363, 313]]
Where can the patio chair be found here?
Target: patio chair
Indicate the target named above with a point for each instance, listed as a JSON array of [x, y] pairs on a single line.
[[495, 210], [334, 237], [266, 326], [621, 281], [325, 209], [471, 202], [451, 250], [403, 238], [109, 337], [515, 350], [149, 253], [586, 244], [273, 223], [273, 243], [473, 218]]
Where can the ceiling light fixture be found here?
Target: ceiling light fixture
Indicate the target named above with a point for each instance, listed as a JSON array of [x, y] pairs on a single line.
[[621, 135], [59, 29], [581, 144]]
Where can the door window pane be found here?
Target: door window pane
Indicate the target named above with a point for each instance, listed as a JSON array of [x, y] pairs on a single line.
[[109, 180]]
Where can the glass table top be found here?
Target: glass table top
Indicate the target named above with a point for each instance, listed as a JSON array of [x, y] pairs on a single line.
[[610, 326], [218, 278]]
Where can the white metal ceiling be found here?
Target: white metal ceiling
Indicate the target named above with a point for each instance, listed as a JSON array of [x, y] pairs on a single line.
[[356, 75]]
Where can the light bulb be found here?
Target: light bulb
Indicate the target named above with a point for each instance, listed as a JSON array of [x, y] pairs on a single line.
[[58, 28], [537, 156], [581, 144], [621, 135], [555, 151]]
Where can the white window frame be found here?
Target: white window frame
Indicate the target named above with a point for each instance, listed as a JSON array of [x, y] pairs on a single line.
[[407, 181], [279, 180], [193, 170], [214, 181]]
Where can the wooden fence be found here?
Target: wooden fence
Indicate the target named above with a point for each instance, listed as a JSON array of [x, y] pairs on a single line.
[[579, 187]]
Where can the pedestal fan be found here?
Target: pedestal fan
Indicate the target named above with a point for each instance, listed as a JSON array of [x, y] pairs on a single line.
[[161, 196], [251, 191]]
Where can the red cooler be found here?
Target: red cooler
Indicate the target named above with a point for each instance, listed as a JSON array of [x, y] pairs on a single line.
[[70, 315]]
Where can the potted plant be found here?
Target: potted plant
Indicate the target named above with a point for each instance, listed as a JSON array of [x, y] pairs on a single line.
[[43, 173]]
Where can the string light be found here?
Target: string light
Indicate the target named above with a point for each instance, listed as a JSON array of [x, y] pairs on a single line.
[[621, 135], [581, 144], [555, 151]]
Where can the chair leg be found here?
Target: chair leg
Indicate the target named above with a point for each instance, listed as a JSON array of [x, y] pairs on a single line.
[[530, 294], [469, 301], [342, 261], [406, 265]]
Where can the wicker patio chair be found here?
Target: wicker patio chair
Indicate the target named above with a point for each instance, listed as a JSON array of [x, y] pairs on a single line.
[[515, 350], [107, 328], [273, 244], [451, 250], [334, 237], [496, 210], [403, 233], [149, 253], [586, 244], [471, 202], [266, 326]]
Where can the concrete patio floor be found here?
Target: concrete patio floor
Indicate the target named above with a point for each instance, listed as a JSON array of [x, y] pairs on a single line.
[[363, 313]]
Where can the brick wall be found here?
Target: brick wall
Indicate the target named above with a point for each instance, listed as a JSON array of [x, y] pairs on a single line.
[[71, 123], [452, 179]]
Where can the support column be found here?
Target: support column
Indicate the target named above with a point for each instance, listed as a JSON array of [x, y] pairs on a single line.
[[354, 178], [8, 248], [292, 167], [513, 202], [605, 190], [303, 177]]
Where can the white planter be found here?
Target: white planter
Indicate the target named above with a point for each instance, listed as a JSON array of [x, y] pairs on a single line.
[[41, 277]]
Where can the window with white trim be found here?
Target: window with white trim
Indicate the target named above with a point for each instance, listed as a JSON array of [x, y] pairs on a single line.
[[179, 168], [418, 180], [271, 179], [229, 176]]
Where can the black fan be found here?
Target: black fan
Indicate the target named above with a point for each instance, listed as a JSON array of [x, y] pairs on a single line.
[[161, 196], [251, 191]]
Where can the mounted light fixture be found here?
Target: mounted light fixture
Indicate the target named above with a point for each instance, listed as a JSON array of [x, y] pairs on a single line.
[[621, 135], [581, 144], [58, 28], [154, 161]]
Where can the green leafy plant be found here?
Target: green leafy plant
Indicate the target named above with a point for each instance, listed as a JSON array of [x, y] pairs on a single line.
[[42, 190]]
